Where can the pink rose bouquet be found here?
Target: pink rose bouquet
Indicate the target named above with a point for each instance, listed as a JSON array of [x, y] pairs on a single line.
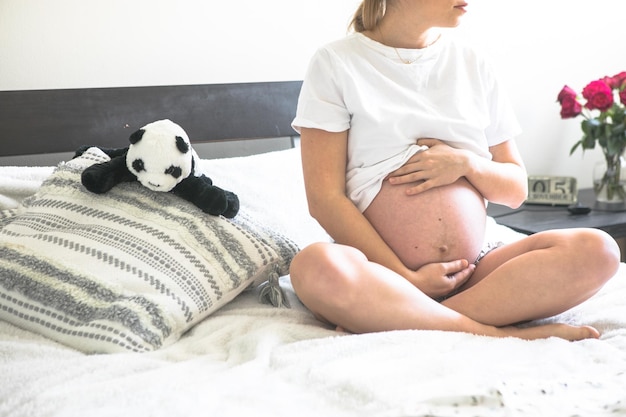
[[603, 108]]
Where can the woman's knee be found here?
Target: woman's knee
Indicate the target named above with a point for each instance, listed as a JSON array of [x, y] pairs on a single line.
[[595, 251], [325, 268]]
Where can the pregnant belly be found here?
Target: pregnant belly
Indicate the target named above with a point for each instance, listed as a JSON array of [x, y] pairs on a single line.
[[439, 225]]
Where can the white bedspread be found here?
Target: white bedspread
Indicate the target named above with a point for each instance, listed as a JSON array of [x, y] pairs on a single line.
[[16, 183], [250, 359]]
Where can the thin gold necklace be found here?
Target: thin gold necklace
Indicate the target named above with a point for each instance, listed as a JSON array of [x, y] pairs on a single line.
[[403, 60]]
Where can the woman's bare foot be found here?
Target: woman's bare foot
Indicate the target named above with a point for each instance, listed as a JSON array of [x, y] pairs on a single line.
[[562, 331], [544, 331]]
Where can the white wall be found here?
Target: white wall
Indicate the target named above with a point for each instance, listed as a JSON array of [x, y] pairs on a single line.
[[537, 46], [111, 43]]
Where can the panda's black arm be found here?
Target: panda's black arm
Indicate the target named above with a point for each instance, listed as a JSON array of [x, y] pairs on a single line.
[[209, 198], [100, 178]]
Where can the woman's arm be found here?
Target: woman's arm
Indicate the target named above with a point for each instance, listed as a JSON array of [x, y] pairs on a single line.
[[324, 156], [501, 180], [324, 166]]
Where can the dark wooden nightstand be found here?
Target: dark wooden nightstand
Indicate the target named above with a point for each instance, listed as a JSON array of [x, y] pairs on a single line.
[[532, 218]]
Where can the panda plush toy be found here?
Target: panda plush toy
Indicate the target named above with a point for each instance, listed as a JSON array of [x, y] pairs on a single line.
[[161, 158]]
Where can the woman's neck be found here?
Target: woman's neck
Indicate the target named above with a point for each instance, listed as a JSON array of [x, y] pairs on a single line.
[[399, 36]]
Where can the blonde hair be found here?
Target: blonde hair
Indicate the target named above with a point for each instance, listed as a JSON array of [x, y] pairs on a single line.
[[367, 16]]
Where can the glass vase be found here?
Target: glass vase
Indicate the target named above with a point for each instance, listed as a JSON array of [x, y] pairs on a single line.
[[609, 180]]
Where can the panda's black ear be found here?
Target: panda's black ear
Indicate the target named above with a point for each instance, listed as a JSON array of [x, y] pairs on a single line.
[[136, 137], [182, 146]]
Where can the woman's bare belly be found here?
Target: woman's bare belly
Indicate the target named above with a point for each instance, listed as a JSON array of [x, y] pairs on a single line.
[[442, 224]]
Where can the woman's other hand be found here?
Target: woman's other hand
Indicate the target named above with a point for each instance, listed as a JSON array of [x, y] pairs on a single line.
[[436, 166]]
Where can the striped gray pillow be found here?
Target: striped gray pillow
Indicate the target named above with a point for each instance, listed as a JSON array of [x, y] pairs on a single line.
[[131, 269]]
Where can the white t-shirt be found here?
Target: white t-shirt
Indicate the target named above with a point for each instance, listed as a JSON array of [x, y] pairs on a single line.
[[357, 84]]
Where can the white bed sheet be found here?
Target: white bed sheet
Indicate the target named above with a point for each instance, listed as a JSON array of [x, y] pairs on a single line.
[[251, 359]]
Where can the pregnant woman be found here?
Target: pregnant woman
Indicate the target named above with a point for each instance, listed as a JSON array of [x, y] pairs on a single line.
[[405, 137]]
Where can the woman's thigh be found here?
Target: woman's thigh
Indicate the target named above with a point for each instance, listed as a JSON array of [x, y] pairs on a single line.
[[572, 250], [538, 276]]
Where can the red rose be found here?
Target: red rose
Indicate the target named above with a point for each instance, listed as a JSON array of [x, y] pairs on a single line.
[[570, 107], [622, 96], [599, 95], [618, 80], [566, 92], [608, 81]]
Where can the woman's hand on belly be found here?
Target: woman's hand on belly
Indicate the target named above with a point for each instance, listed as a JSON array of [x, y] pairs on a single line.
[[437, 166]]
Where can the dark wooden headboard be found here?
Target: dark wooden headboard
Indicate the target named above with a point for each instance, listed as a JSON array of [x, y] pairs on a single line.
[[48, 121]]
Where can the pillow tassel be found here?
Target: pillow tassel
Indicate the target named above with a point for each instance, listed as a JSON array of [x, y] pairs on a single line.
[[271, 292]]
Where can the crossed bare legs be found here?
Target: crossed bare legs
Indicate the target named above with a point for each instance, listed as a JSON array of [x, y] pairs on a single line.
[[537, 277]]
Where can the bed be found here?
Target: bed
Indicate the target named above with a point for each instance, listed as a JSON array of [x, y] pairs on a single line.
[[254, 349]]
